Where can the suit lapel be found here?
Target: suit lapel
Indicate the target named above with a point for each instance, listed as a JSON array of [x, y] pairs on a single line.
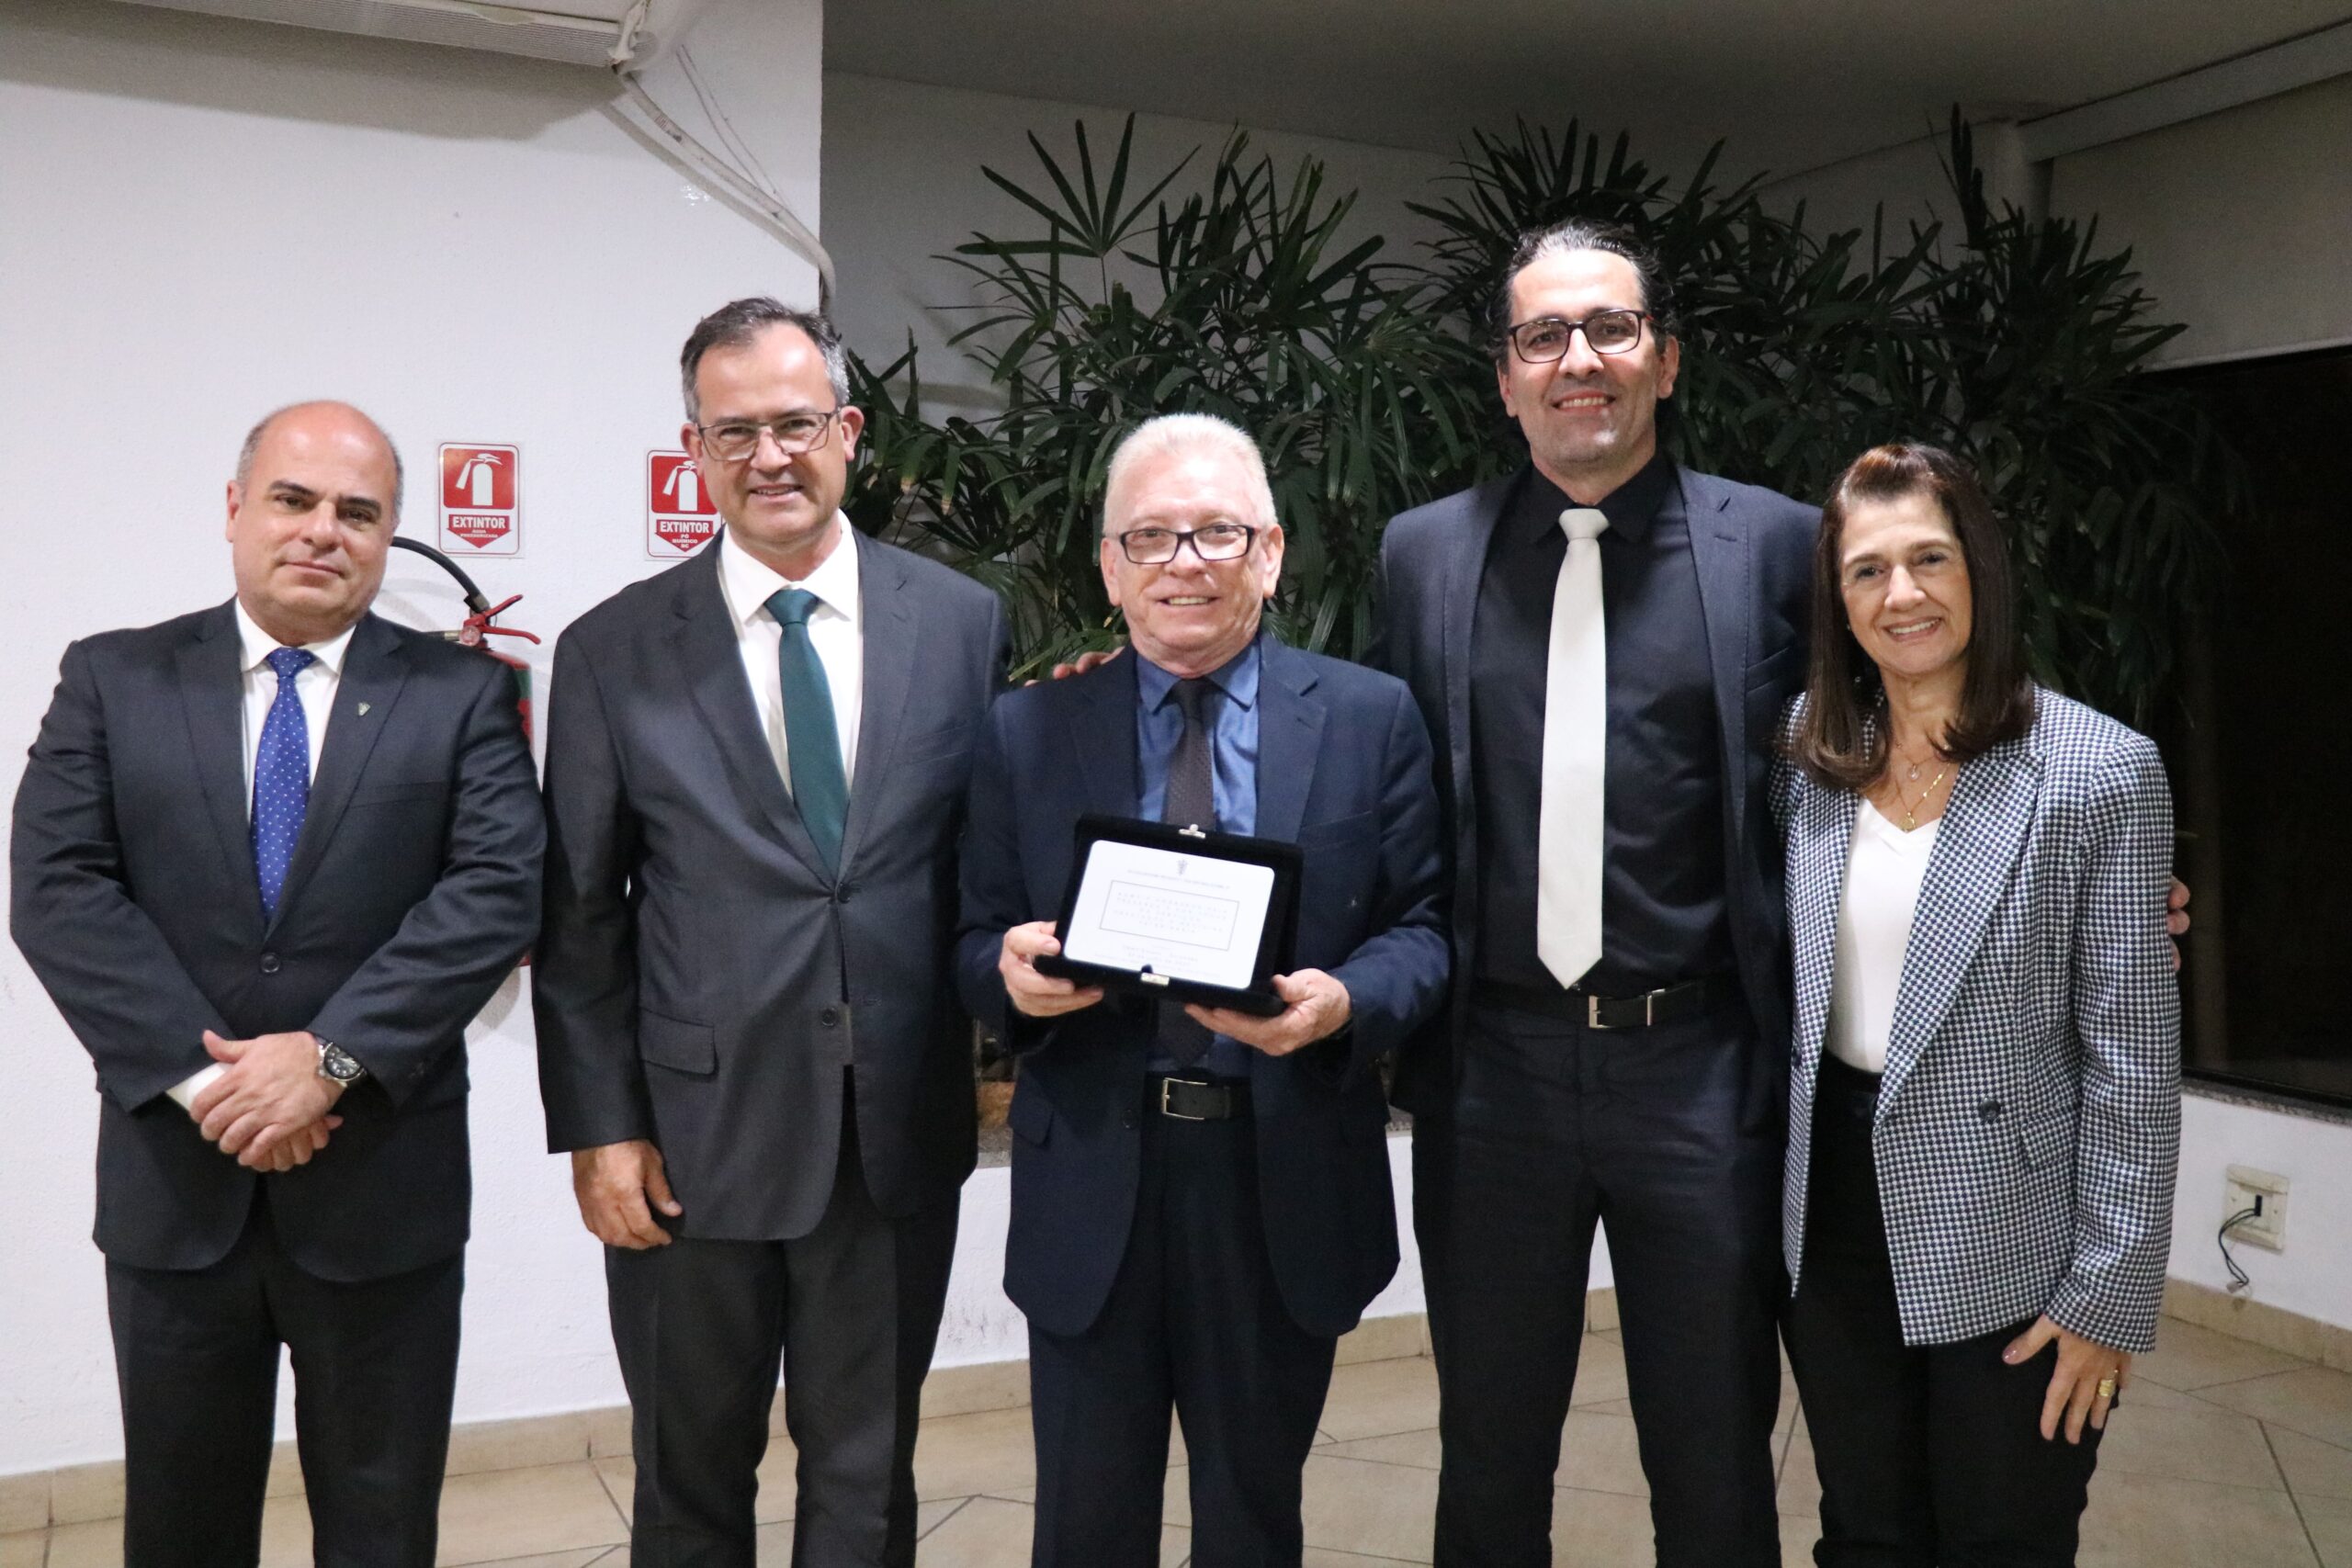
[[1290, 738], [1103, 703], [1489, 503], [1822, 836], [887, 630], [375, 668], [1984, 827], [1720, 550], [212, 695], [712, 666]]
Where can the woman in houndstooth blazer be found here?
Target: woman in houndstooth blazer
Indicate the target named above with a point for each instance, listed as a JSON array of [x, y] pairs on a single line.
[[1983, 1107]]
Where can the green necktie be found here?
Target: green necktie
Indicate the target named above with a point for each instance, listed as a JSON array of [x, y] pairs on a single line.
[[811, 742]]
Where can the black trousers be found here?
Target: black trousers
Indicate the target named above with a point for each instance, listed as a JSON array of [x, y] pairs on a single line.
[[1194, 1320], [1673, 1136], [1930, 1454], [196, 1356], [849, 1313]]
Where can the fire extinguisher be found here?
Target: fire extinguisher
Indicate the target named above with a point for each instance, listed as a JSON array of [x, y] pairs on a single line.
[[476, 629]]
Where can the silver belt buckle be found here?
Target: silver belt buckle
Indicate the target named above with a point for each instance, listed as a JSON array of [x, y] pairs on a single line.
[[1165, 1106], [1592, 1012]]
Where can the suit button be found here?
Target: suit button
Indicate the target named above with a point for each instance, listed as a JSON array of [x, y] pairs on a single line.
[[841, 893], [269, 964], [831, 1018], [1989, 1112]]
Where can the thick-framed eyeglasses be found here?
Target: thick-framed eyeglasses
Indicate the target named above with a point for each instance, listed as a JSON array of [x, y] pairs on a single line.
[[734, 440], [1158, 546], [1545, 339]]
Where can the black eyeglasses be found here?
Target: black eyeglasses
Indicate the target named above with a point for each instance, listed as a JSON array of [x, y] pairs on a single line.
[[734, 440], [1545, 339], [1158, 546]]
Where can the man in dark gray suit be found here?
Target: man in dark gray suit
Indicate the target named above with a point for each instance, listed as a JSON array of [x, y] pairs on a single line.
[[269, 860], [748, 1033]]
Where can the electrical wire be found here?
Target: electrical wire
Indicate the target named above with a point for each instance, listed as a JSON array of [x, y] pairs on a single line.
[[2239, 1279]]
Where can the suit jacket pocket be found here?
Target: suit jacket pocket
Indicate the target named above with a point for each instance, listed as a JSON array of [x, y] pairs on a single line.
[[1340, 830], [1781, 668], [2046, 1141], [1031, 1118], [932, 744], [680, 1046], [398, 790]]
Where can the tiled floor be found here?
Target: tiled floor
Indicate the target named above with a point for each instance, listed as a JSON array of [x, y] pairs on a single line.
[[2227, 1456]]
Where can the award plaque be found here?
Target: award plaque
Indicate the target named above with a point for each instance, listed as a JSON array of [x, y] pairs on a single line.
[[1157, 911]]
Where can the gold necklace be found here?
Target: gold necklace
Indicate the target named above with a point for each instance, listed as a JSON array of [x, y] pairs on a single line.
[[1911, 807]]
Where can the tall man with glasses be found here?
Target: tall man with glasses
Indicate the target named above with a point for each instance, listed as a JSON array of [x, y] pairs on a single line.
[[270, 859], [1602, 642], [1200, 1199], [749, 1038]]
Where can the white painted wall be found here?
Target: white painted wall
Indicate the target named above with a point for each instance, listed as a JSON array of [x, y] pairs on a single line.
[[2240, 222], [201, 220], [2313, 1274]]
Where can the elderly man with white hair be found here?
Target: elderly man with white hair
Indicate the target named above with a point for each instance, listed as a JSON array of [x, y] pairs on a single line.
[[1201, 1201]]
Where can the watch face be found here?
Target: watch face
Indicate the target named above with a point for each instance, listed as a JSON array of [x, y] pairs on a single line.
[[340, 1064]]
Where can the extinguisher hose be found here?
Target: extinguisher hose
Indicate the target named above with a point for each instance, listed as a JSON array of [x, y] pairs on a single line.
[[476, 600]]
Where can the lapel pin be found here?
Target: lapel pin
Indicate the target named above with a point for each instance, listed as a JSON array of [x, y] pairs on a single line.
[[363, 708]]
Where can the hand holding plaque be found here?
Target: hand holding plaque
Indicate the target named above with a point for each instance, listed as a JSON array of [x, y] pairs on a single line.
[[1177, 913]]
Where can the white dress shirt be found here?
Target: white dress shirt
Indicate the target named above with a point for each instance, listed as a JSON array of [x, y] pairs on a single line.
[[314, 688], [1883, 871], [835, 631]]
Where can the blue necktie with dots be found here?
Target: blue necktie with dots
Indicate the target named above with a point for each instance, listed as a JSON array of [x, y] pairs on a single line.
[[812, 743], [281, 779]]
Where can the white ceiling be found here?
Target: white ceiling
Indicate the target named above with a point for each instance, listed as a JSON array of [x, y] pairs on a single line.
[[1791, 84]]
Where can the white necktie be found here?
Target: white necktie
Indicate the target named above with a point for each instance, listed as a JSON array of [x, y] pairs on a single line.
[[1576, 731]]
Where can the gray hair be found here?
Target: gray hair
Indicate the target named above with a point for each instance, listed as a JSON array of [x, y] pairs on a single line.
[[253, 437], [1177, 433], [1566, 237], [738, 321]]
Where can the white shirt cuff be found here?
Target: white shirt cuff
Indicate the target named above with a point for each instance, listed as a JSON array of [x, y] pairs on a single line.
[[193, 1084]]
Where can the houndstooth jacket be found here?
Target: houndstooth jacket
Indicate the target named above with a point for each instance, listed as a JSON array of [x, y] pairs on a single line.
[[2028, 1120]]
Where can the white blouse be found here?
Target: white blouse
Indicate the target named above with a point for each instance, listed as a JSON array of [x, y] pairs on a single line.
[[1884, 871]]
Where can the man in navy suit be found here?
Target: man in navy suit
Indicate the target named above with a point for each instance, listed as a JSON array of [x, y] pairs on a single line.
[[1200, 1199], [270, 859], [1602, 642]]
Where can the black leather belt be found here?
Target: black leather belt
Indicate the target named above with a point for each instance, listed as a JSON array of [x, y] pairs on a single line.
[[1672, 1004], [1196, 1099]]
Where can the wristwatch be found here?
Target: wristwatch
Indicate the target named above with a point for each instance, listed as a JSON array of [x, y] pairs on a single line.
[[339, 1066]]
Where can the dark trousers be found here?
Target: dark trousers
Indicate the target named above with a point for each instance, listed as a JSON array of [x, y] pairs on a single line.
[[1928, 1455], [375, 1369], [1194, 1320], [1672, 1136], [849, 1313]]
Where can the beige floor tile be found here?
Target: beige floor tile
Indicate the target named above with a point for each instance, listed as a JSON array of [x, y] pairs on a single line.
[[23, 1503], [583, 1557], [1016, 1493], [2144, 1521], [2329, 1520], [2190, 1358], [2190, 1444], [1798, 1533], [1373, 1510], [986, 1532], [1601, 1370], [779, 1483], [81, 1494], [1381, 1339], [2314, 1468], [1598, 1453], [1320, 1557], [609, 1432], [477, 1446], [285, 1532], [989, 1385], [982, 1453], [97, 1544], [2146, 1394], [1418, 1449], [25, 1548], [515, 1512], [1800, 1482], [1175, 1546], [285, 1471], [1601, 1530], [619, 1479], [2314, 1400], [1375, 1398]]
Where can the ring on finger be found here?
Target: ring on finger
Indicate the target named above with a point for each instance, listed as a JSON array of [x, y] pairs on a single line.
[[2107, 1388]]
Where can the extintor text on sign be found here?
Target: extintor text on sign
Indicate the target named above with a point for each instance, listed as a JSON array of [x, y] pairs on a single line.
[[482, 498], [680, 517]]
